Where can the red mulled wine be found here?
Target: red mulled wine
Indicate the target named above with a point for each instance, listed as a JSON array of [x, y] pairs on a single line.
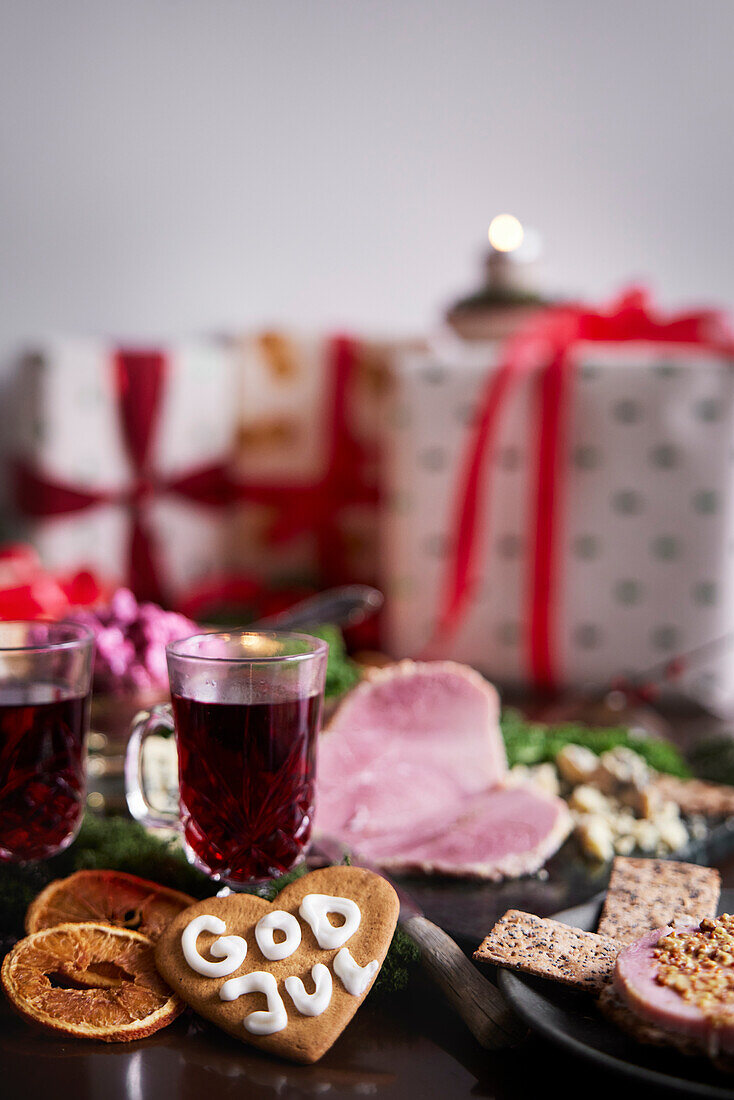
[[246, 773], [42, 780]]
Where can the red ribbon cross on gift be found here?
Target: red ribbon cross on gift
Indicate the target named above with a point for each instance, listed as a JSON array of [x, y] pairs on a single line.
[[544, 348], [140, 379]]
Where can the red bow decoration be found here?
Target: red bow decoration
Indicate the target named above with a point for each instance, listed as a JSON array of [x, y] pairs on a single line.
[[28, 591], [140, 382], [319, 506], [544, 347]]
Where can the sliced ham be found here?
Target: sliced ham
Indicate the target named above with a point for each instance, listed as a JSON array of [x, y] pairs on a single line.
[[410, 776], [636, 985], [655, 1013], [406, 748], [504, 832]]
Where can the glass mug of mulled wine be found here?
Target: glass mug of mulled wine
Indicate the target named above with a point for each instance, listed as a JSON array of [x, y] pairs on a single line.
[[246, 713], [45, 690]]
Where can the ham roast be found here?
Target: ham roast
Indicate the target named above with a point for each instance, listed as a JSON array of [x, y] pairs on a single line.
[[410, 776], [653, 1013]]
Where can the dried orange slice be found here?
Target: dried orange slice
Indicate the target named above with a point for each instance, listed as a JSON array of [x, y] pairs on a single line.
[[34, 978], [110, 897]]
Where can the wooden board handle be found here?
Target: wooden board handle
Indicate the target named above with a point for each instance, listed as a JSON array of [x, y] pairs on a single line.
[[479, 1003]]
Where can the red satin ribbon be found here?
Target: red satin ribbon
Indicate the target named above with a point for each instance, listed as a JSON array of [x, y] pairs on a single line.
[[140, 382], [318, 506], [544, 347], [140, 379]]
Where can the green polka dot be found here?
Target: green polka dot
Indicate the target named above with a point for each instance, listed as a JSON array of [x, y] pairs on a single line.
[[436, 545], [401, 501], [402, 587], [466, 414], [433, 459], [586, 457], [705, 502], [587, 636], [509, 546], [509, 458], [664, 637], [434, 374], [627, 411], [400, 416], [586, 547], [628, 592], [705, 593], [666, 370], [665, 547], [708, 409], [706, 684], [627, 502], [508, 633], [664, 456]]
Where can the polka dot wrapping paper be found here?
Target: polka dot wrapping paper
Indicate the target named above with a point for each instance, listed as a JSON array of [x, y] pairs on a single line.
[[640, 499]]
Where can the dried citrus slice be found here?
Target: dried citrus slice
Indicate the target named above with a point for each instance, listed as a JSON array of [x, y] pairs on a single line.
[[33, 977], [110, 897]]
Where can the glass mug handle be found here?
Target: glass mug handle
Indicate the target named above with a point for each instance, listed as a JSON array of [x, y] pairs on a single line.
[[144, 724]]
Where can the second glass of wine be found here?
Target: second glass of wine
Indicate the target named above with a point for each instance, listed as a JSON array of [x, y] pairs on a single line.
[[246, 713], [45, 684]]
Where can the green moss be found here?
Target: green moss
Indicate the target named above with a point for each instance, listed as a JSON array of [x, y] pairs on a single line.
[[533, 743], [398, 968], [119, 844], [713, 759], [341, 672]]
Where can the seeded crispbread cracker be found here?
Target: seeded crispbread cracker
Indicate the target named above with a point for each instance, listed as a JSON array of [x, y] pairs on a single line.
[[695, 796], [644, 894], [549, 949]]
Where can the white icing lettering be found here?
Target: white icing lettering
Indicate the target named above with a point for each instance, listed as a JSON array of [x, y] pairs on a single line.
[[230, 949], [315, 909], [259, 981], [311, 1004], [354, 978], [264, 929]]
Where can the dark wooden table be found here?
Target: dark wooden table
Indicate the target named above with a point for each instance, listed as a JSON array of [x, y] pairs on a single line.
[[414, 1048]]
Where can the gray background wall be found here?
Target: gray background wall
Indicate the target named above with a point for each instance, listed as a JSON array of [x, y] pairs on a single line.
[[179, 164]]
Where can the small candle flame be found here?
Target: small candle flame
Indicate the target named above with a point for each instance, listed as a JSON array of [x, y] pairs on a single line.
[[505, 233]]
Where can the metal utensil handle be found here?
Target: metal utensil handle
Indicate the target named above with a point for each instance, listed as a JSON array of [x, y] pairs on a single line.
[[479, 1003], [344, 606]]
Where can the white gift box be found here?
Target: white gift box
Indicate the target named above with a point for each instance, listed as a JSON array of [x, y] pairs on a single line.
[[82, 492], [642, 510], [307, 455]]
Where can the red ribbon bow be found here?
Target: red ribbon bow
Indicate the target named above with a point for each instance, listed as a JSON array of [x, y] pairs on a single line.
[[543, 347], [140, 381]]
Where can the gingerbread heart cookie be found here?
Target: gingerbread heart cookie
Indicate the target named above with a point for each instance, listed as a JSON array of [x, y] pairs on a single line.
[[286, 976]]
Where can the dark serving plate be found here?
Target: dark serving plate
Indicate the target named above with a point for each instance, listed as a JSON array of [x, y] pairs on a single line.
[[570, 1020], [467, 909]]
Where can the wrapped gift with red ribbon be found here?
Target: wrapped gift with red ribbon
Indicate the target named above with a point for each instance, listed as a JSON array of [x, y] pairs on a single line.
[[123, 460], [307, 456], [560, 509], [183, 470]]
